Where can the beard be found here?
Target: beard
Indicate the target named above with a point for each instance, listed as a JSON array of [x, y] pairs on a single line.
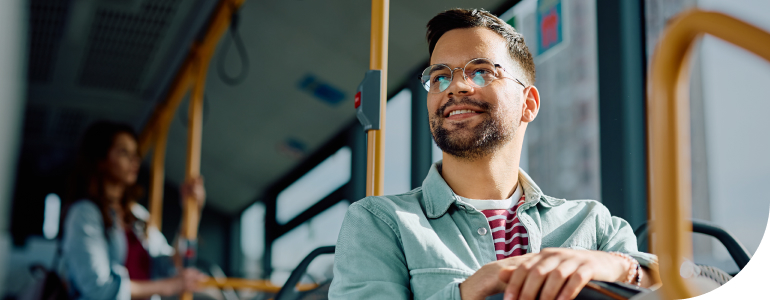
[[483, 139]]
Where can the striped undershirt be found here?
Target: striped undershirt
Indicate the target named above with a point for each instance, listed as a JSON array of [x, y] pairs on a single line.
[[509, 235]]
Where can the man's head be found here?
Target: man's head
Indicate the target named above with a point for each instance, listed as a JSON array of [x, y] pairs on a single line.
[[471, 120], [478, 18]]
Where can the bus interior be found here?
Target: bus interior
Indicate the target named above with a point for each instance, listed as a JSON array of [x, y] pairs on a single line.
[[258, 97]]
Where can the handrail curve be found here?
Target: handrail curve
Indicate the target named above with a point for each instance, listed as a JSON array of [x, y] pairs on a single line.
[[259, 285], [669, 134]]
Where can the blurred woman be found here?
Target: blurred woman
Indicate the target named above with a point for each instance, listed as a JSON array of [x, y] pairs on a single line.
[[106, 253]]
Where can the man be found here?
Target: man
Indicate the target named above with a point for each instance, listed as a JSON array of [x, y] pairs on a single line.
[[445, 240]]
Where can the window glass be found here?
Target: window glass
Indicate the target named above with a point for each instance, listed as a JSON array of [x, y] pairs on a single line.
[[398, 144], [253, 231], [51, 216], [733, 168], [324, 179], [730, 166], [252, 235]]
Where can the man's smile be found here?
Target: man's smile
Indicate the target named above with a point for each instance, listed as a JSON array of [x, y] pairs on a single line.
[[461, 114]]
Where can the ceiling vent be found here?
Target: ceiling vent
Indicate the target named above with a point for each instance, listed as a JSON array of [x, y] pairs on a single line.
[[46, 23], [123, 44]]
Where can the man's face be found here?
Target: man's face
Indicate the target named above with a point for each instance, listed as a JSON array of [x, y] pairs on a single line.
[[484, 118]]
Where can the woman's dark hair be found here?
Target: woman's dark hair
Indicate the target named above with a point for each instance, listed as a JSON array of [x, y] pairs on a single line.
[[87, 180], [463, 18]]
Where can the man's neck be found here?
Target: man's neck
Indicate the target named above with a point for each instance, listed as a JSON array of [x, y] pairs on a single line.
[[492, 177]]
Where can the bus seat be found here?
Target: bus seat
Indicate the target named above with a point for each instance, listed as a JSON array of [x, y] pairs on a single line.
[[289, 290], [737, 251]]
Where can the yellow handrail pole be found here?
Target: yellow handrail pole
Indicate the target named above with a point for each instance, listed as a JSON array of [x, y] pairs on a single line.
[[669, 134], [194, 130], [202, 53], [202, 56], [146, 139], [257, 285], [156, 133], [157, 177], [378, 60], [166, 109]]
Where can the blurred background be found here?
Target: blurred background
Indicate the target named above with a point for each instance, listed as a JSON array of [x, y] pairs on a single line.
[[283, 155]]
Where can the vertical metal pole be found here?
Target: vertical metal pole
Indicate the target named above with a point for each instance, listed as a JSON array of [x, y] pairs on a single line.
[[375, 163], [164, 111], [157, 176], [193, 70], [191, 210], [194, 129], [156, 134]]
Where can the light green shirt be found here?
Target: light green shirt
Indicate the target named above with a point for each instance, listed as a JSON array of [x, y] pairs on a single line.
[[424, 243]]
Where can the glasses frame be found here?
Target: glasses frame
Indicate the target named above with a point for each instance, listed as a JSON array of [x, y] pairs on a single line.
[[465, 77]]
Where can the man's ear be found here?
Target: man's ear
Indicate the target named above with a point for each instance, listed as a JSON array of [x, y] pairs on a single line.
[[531, 104]]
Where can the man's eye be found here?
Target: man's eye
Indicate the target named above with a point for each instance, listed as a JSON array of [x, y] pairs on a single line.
[[440, 78], [482, 72]]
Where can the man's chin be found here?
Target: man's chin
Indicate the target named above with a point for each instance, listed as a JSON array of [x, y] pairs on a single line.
[[461, 142], [458, 135], [460, 128]]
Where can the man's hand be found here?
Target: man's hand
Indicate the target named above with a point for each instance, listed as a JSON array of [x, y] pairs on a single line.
[[485, 281], [559, 273], [554, 273]]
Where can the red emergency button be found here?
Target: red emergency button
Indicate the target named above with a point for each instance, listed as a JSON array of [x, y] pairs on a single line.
[[358, 99]]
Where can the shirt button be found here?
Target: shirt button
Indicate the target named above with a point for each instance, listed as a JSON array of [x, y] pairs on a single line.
[[482, 231]]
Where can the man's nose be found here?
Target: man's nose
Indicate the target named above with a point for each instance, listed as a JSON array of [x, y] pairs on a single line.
[[459, 85]]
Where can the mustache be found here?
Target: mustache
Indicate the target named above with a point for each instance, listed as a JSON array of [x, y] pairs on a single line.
[[464, 100]]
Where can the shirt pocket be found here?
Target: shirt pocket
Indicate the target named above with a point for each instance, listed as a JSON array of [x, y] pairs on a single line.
[[426, 282]]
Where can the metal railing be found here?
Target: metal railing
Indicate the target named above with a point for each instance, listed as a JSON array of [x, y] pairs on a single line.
[[669, 134], [192, 75]]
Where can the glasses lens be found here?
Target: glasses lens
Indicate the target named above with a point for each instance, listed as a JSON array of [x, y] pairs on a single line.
[[436, 79], [480, 72]]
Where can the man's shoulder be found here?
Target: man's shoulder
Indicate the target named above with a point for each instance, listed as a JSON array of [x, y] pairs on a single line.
[[410, 201], [388, 209], [588, 203], [575, 207]]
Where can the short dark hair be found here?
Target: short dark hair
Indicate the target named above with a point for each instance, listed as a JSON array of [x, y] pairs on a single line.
[[463, 18]]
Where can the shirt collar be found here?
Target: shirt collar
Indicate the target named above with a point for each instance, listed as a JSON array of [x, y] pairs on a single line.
[[438, 196]]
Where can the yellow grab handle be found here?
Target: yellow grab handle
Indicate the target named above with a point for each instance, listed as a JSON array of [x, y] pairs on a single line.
[[257, 285], [668, 122]]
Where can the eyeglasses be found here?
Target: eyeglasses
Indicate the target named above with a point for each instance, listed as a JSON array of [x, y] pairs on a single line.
[[481, 71]]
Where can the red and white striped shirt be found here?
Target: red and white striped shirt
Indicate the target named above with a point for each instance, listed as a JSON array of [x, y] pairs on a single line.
[[509, 235]]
